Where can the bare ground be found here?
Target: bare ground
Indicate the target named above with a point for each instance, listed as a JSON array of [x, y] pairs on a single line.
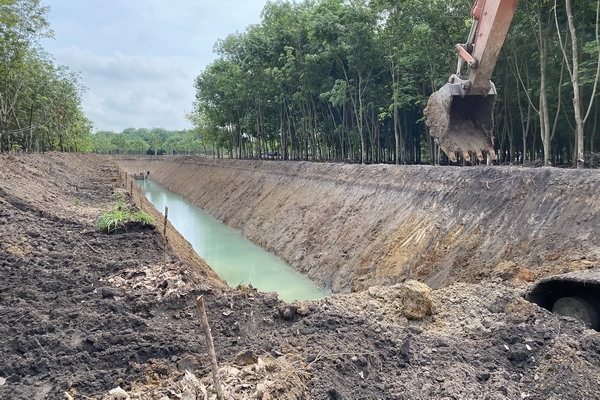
[[83, 312]]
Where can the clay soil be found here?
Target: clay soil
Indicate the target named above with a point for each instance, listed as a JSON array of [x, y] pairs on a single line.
[[83, 312]]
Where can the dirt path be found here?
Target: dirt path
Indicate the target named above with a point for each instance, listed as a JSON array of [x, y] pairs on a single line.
[[83, 312]]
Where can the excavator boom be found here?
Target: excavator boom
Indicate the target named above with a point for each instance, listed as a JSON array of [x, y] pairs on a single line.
[[460, 116]]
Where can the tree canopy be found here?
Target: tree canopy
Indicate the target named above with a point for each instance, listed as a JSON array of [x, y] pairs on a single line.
[[152, 141], [347, 80], [343, 80], [40, 102]]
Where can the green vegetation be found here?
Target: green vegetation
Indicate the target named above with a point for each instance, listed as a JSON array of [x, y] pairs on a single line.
[[119, 215], [149, 141], [330, 80], [40, 102], [112, 220], [348, 80], [143, 218]]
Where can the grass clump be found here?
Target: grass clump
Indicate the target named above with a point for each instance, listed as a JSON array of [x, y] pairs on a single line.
[[120, 215], [143, 217], [112, 220]]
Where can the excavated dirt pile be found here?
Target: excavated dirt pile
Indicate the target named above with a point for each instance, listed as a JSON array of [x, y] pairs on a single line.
[[87, 315]]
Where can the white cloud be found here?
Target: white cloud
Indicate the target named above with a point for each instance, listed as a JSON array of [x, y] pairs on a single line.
[[126, 90], [139, 58], [117, 65]]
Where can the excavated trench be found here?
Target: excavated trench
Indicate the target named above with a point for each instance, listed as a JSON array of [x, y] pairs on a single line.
[[350, 227], [234, 258], [86, 312]]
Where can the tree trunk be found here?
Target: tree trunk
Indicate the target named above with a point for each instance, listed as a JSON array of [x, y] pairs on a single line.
[[543, 107]]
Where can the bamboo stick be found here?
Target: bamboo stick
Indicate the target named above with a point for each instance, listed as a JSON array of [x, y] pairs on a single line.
[[211, 347], [165, 235]]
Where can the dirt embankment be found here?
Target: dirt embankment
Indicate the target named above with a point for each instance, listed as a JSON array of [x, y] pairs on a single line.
[[353, 226], [82, 312]]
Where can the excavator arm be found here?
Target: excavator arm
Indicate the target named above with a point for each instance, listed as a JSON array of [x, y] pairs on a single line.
[[460, 116]]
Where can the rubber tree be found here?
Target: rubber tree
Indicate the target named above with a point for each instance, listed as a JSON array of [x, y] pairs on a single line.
[[573, 66], [257, 89], [102, 143], [40, 102], [218, 93], [155, 143], [285, 26], [355, 56], [22, 24], [417, 37], [348, 80], [539, 28]]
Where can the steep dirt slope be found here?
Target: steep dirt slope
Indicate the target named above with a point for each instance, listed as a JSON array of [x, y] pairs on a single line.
[[351, 226]]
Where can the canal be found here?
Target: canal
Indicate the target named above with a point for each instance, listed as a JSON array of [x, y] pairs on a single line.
[[234, 258]]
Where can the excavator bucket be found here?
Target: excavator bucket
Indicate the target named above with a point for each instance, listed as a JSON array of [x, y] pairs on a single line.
[[462, 123]]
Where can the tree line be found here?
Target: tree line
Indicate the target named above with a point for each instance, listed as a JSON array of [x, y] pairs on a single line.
[[153, 141], [347, 80], [40, 102], [343, 80]]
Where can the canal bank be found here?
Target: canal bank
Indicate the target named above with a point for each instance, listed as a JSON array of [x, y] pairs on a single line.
[[354, 226], [234, 258]]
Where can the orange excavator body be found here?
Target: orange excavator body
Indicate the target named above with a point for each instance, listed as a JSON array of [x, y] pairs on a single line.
[[460, 116]]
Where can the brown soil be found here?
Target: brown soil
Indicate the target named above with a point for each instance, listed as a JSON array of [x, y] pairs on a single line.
[[83, 312]]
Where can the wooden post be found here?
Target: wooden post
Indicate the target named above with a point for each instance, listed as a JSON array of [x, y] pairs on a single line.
[[165, 235], [211, 347]]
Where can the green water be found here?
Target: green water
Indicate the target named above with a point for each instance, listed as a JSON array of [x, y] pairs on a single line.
[[234, 258]]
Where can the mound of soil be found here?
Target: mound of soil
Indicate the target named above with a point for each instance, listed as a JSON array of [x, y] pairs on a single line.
[[83, 313]]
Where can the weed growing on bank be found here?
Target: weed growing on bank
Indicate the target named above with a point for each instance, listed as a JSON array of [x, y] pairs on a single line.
[[119, 215]]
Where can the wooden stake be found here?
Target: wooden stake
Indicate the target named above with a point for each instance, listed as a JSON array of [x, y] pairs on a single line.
[[165, 235], [211, 347]]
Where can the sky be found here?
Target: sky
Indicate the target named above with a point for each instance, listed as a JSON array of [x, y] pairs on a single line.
[[138, 59]]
